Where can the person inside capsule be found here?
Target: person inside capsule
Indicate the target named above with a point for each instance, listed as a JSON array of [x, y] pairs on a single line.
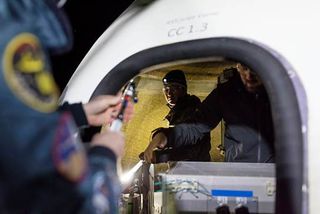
[[241, 101], [182, 105]]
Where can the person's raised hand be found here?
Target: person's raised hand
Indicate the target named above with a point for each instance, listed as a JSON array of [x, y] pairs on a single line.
[[159, 140], [110, 139], [103, 109]]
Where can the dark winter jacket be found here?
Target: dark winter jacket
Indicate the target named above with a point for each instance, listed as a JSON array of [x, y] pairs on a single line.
[[43, 166], [183, 112], [247, 118]]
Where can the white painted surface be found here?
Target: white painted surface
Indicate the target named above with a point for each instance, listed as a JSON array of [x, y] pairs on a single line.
[[290, 27]]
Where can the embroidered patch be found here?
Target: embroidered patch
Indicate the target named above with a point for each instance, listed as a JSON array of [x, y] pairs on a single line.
[[68, 154], [27, 74]]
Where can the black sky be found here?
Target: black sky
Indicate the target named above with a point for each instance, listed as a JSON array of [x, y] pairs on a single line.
[[89, 19]]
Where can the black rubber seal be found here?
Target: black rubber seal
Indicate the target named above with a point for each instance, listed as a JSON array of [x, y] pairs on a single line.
[[284, 104]]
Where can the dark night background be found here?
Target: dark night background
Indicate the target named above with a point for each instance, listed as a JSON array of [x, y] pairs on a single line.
[[89, 19]]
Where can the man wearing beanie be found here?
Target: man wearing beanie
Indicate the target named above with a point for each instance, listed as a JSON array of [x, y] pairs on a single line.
[[182, 106], [241, 101]]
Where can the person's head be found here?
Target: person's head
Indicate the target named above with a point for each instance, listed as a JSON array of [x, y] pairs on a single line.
[[250, 80], [174, 86]]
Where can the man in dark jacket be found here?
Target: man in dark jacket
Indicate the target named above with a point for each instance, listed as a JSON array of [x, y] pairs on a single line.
[[242, 102], [43, 166], [182, 106]]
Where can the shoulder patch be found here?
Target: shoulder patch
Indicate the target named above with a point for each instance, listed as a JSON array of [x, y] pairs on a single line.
[[28, 75], [68, 154]]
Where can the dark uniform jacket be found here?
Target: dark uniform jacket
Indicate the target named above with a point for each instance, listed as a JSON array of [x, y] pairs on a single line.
[[180, 113], [247, 118], [43, 166]]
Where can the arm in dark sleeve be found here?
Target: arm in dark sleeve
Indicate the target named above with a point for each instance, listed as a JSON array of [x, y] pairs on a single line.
[[86, 131], [185, 134], [56, 171], [77, 111], [204, 120], [44, 168]]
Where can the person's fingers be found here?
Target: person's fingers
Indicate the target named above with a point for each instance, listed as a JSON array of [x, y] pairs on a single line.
[[160, 140], [106, 101], [108, 116], [129, 112], [101, 103], [100, 119], [110, 139], [105, 108], [113, 112], [103, 117]]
